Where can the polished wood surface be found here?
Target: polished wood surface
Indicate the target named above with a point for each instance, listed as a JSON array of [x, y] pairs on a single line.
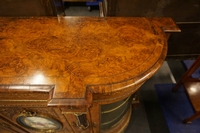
[[76, 54], [67, 66], [185, 13], [79, 53], [192, 87]]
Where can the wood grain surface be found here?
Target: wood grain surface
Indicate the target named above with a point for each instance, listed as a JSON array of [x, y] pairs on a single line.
[[82, 55]]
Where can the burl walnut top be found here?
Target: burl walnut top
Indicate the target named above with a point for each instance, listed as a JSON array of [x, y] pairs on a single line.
[[77, 53]]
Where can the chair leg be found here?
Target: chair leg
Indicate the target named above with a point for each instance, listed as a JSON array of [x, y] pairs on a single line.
[[193, 117], [187, 74], [178, 85]]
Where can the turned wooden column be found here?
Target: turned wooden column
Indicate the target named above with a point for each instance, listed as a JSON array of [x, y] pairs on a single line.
[[76, 74]]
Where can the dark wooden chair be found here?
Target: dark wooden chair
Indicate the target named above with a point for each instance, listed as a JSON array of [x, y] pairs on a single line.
[[192, 87]]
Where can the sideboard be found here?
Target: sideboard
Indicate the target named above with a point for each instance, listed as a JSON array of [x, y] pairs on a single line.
[[76, 74]]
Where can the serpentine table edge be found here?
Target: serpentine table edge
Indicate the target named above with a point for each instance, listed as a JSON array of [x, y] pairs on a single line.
[[80, 56]]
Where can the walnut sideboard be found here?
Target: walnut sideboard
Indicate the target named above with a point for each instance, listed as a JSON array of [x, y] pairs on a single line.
[[76, 74]]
